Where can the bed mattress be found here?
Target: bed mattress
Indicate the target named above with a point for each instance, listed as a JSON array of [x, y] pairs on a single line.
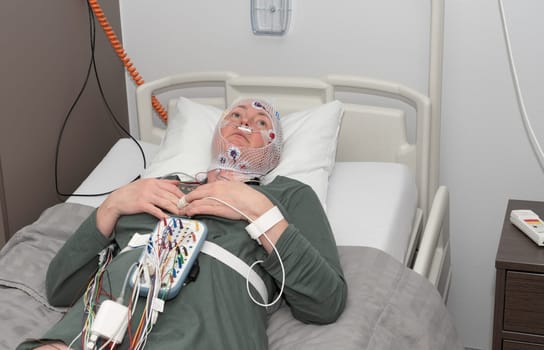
[[368, 204], [372, 204]]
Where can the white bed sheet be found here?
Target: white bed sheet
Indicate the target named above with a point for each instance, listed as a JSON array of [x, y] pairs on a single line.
[[122, 164], [379, 199], [380, 202]]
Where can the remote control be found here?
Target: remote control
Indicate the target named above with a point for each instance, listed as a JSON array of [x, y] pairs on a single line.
[[529, 222], [171, 250]]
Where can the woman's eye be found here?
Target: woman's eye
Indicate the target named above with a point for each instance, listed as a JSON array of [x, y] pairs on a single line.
[[261, 124], [235, 115]]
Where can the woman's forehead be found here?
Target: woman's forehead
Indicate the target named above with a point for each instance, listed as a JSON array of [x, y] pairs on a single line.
[[249, 106], [256, 104]]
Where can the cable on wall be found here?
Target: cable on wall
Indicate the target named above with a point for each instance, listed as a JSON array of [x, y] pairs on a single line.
[[521, 104], [91, 68], [118, 47]]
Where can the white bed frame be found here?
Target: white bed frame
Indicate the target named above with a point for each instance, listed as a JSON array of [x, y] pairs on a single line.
[[368, 133]]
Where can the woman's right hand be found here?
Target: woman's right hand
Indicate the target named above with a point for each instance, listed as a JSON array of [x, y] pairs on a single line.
[[150, 196]]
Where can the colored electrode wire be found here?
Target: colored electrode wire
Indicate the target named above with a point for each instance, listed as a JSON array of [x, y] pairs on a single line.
[[155, 270], [91, 297], [118, 47]]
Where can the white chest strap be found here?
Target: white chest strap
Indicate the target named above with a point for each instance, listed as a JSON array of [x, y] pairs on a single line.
[[237, 265], [219, 253]]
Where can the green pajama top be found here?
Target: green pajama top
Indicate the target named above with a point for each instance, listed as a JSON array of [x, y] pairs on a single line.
[[215, 311]]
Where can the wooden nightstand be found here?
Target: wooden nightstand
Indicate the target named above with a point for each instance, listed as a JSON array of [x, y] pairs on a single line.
[[519, 288]]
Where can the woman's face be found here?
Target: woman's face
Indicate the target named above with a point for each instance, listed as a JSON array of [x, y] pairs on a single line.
[[244, 126]]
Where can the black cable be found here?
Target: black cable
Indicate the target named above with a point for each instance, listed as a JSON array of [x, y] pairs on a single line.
[[112, 115], [92, 66], [85, 82]]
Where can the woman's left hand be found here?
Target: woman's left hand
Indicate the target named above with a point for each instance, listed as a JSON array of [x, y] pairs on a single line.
[[245, 199], [237, 194]]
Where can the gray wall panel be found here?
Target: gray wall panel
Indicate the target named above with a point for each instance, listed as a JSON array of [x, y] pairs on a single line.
[[45, 55]]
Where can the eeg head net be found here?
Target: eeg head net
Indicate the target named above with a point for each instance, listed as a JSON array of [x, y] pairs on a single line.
[[249, 162]]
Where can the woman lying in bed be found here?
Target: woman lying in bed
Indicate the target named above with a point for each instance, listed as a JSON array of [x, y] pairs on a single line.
[[215, 311]]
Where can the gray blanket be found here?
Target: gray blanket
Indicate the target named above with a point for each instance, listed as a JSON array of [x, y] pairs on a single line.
[[389, 306]]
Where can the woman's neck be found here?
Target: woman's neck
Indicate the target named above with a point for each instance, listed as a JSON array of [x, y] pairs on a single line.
[[228, 175]]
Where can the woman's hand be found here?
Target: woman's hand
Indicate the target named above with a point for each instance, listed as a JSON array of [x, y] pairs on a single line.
[[245, 199], [150, 196]]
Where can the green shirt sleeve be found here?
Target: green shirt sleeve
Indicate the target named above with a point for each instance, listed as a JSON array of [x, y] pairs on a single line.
[[75, 264], [315, 288]]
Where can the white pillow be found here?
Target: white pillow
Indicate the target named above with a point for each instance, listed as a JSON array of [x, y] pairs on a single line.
[[186, 146], [309, 146], [309, 143]]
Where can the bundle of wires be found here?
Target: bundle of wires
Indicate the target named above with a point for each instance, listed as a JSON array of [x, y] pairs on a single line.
[[154, 276], [91, 297], [157, 271], [149, 269]]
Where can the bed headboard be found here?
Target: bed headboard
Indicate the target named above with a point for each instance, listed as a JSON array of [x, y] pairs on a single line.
[[368, 133]]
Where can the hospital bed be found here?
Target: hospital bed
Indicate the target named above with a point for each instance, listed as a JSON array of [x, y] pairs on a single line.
[[390, 223]]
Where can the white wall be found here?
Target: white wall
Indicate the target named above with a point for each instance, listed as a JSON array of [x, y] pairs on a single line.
[[486, 157], [347, 36]]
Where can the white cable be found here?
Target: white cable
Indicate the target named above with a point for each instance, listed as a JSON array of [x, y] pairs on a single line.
[[135, 290], [232, 207], [282, 277], [74, 340], [106, 343], [121, 298], [150, 266], [526, 122], [258, 261]]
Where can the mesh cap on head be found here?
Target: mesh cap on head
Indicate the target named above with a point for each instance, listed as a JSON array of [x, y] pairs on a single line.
[[249, 161]]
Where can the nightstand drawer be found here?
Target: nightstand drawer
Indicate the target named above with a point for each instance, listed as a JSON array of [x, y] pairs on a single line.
[[514, 345], [524, 302]]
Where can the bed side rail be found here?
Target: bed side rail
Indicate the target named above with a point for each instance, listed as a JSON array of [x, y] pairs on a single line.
[[432, 260], [422, 106]]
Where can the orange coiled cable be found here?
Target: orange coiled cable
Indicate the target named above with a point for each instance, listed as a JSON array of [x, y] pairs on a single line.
[[118, 47]]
